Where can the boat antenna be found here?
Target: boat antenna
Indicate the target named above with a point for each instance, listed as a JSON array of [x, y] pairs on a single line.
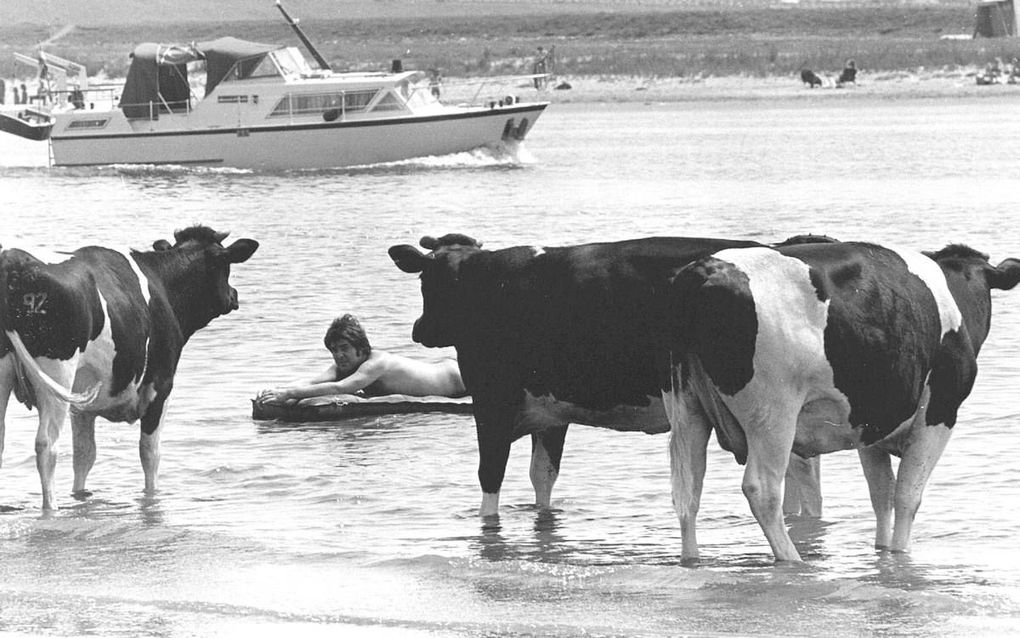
[[304, 39]]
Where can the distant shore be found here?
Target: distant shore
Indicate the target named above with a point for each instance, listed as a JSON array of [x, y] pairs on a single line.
[[584, 89], [947, 84]]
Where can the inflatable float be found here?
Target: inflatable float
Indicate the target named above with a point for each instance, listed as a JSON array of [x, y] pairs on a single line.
[[348, 406]]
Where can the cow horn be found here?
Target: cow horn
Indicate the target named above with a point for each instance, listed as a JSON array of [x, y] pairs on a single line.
[[219, 237], [429, 242]]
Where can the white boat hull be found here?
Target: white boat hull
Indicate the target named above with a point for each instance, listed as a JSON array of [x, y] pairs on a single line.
[[294, 145]]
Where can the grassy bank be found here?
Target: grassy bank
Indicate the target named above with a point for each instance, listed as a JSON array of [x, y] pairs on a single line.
[[759, 42]]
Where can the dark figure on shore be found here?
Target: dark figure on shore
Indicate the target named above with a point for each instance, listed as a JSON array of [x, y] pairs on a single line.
[[3, 92], [539, 67], [849, 74], [434, 82], [807, 76]]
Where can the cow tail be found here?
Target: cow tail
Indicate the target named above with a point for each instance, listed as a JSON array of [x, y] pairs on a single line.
[[32, 371]]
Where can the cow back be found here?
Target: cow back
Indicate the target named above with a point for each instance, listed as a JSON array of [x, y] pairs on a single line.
[[585, 324]]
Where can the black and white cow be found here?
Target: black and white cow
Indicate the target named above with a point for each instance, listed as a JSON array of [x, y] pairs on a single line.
[[551, 336], [825, 347], [102, 331]]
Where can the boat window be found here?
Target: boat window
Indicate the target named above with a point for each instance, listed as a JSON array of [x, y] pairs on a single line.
[[389, 102], [89, 124], [316, 103], [265, 69], [259, 67]]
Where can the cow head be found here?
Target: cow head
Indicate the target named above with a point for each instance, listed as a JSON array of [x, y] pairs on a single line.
[[971, 278], [974, 266], [198, 267], [442, 290]]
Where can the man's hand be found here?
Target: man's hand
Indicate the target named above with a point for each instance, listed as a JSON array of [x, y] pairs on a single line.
[[275, 395]]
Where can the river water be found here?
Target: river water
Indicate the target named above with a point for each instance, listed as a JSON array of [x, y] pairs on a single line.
[[368, 526]]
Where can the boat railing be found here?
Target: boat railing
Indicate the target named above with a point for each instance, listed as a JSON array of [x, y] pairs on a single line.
[[92, 98], [485, 90]]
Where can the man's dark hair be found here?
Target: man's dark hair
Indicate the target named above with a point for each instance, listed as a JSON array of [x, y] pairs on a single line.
[[347, 328]]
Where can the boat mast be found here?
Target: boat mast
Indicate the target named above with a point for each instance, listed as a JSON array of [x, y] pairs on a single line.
[[304, 40]]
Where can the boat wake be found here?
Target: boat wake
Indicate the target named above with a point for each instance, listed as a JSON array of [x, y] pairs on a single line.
[[510, 154]]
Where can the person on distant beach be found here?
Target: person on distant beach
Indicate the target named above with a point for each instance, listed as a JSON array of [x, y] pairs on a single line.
[[434, 81], [24, 94], [3, 92], [357, 367], [539, 66], [849, 74]]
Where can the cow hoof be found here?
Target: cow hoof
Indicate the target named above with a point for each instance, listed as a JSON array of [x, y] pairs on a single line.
[[81, 495], [690, 561]]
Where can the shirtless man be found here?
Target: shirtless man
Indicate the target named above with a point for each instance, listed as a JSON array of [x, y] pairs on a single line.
[[356, 367]]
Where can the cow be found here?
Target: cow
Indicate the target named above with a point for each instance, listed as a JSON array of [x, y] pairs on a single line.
[[823, 347], [99, 332], [551, 336], [810, 78]]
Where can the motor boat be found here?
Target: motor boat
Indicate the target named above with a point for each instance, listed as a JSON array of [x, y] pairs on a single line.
[[235, 103]]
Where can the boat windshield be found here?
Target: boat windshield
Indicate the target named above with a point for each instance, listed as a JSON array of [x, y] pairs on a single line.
[[257, 67], [291, 62]]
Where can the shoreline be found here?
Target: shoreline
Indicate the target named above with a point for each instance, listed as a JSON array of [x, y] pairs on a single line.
[[886, 85], [619, 89]]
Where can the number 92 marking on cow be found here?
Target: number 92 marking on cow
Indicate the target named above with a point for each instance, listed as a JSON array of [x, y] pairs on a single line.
[[34, 302]]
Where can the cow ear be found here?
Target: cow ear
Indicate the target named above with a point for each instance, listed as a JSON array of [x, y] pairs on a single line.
[[161, 244], [241, 250], [1004, 276], [408, 258]]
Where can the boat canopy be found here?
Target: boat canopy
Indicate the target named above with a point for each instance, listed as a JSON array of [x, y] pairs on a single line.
[[157, 81]]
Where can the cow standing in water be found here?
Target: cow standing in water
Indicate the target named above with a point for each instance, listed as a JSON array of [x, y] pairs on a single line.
[[825, 347], [102, 331], [546, 337]]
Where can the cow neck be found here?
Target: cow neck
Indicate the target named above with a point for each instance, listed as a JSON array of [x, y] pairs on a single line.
[[181, 272]]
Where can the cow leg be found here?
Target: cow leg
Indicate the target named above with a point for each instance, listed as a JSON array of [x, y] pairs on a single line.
[[803, 487], [768, 454], [927, 443], [688, 445], [6, 386], [493, 452], [877, 466], [83, 438], [52, 413], [148, 442], [546, 452]]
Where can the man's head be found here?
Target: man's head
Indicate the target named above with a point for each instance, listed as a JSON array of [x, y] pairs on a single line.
[[347, 342]]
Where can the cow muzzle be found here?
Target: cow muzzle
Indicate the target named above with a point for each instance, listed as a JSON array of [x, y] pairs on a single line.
[[428, 336]]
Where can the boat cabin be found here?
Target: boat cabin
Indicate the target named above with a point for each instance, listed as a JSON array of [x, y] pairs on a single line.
[[264, 77]]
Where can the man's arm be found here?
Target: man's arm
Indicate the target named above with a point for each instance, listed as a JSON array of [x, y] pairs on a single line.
[[364, 376]]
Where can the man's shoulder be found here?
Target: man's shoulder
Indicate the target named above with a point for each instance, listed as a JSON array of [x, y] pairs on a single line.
[[383, 358]]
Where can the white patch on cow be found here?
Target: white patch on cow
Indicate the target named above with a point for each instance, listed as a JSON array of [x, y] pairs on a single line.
[[931, 274], [788, 309], [143, 281], [789, 355], [96, 362], [537, 250], [96, 365]]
